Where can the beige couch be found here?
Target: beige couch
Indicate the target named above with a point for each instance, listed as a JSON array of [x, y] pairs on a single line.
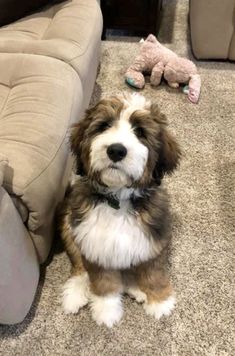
[[212, 26], [48, 65]]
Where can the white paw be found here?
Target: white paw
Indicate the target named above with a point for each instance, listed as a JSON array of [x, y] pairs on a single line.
[[137, 294], [160, 309], [106, 310], [75, 293]]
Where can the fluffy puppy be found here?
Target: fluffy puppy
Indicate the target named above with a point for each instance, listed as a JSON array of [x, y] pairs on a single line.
[[115, 220]]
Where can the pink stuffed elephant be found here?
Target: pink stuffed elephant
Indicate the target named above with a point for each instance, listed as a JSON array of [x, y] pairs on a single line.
[[158, 60]]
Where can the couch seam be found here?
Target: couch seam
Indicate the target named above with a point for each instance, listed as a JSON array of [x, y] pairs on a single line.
[[81, 54], [45, 168], [6, 100], [50, 21]]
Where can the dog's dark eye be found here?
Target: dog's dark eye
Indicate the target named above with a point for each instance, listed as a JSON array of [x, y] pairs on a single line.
[[139, 132], [104, 126]]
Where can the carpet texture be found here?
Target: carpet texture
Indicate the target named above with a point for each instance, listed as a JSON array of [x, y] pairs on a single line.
[[202, 251]]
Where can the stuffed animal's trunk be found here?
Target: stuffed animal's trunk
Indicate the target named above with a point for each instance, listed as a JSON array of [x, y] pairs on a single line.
[[194, 88]]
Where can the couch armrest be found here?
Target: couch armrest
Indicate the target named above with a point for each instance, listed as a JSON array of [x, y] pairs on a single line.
[[19, 268], [212, 27]]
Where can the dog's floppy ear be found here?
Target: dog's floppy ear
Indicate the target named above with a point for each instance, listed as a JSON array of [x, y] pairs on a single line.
[[169, 152], [76, 139], [168, 156]]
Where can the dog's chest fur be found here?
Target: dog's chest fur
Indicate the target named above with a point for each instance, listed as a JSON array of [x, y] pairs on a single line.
[[114, 238]]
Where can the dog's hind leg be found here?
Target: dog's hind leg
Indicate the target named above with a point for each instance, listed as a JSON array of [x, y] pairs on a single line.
[[154, 283], [131, 287]]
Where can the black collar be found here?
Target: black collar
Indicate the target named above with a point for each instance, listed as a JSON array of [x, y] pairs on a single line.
[[111, 199]]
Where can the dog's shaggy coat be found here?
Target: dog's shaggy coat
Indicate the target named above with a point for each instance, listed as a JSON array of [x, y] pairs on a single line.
[[115, 220]]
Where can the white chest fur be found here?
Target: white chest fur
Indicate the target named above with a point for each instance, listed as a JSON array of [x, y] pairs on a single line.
[[114, 238]]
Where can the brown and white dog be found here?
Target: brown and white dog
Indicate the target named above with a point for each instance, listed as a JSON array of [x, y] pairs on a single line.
[[115, 221]]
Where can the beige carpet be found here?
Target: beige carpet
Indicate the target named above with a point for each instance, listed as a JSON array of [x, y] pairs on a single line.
[[202, 251]]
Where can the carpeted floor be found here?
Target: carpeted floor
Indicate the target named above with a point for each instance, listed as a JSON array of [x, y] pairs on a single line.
[[202, 251]]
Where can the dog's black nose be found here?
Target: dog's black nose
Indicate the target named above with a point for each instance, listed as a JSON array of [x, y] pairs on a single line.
[[116, 152]]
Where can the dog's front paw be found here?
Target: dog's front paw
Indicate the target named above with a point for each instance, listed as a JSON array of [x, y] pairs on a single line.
[[106, 310], [75, 293], [160, 309], [137, 294]]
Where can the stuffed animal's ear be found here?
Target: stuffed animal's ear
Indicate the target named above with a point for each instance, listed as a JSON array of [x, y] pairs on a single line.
[[151, 38], [168, 156]]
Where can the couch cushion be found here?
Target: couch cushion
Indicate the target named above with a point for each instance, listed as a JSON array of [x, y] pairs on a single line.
[[11, 10], [39, 98], [70, 31]]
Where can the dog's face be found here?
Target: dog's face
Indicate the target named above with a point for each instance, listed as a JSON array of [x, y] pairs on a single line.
[[123, 142]]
